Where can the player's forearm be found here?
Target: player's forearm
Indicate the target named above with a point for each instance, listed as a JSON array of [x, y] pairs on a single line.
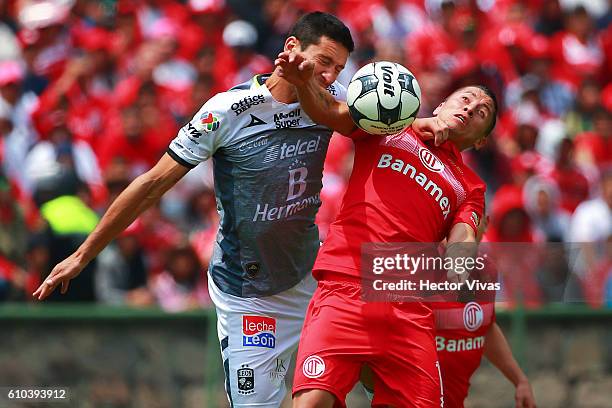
[[461, 245], [498, 352], [141, 194], [324, 109]]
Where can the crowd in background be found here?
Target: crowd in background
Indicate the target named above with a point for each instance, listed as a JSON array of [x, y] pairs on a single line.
[[92, 92]]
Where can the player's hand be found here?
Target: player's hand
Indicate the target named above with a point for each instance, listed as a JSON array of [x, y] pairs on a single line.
[[63, 272], [432, 128], [293, 67], [523, 395]]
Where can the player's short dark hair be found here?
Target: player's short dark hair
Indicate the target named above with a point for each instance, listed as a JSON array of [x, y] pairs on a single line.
[[491, 95], [312, 26]]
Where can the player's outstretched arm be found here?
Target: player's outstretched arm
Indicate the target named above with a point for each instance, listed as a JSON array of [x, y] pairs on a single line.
[[316, 101], [141, 194], [499, 354]]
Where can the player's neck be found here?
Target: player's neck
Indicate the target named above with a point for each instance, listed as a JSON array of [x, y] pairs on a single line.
[[280, 89]]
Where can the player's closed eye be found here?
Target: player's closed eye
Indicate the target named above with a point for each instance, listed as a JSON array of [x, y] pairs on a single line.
[[325, 61]]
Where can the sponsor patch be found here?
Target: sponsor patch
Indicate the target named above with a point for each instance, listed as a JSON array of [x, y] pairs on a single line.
[[210, 121], [288, 120], [258, 331], [246, 103], [277, 374], [192, 133], [246, 380]]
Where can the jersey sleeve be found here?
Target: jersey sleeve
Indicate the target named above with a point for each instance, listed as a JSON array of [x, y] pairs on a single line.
[[338, 91], [471, 210], [209, 130]]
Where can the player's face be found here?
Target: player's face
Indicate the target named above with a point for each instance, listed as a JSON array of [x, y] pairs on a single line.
[[329, 58], [469, 112]]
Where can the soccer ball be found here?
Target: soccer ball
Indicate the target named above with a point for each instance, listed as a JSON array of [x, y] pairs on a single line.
[[383, 98]]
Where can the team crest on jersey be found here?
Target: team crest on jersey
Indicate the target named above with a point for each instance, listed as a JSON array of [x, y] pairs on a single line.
[[246, 380], [473, 316], [430, 161], [313, 367], [258, 331], [209, 121]]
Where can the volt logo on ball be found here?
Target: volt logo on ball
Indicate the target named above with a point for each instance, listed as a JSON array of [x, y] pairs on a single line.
[[258, 331], [387, 80]]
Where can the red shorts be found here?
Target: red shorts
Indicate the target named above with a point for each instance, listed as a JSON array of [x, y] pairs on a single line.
[[396, 340]]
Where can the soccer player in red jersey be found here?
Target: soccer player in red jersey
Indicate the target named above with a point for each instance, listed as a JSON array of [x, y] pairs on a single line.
[[403, 188], [464, 333]]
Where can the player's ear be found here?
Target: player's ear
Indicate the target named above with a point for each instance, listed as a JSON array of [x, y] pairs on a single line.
[[291, 43], [480, 143]]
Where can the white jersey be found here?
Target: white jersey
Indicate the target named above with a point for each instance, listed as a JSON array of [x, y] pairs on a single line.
[[268, 161]]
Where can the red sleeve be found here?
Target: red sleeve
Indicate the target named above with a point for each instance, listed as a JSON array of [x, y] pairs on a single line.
[[471, 211]]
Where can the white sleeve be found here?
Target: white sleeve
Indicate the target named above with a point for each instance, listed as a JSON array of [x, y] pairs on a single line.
[[199, 139], [338, 91]]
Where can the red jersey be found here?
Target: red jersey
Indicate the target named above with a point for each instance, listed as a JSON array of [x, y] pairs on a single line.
[[460, 338], [401, 190]]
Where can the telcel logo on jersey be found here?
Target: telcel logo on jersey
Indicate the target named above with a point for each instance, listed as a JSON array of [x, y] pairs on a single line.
[[246, 103], [258, 331]]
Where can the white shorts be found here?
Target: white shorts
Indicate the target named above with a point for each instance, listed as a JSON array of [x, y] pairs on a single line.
[[258, 336]]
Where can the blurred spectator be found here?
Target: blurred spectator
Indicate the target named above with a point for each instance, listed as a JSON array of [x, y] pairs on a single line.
[[69, 220], [550, 18], [510, 221], [573, 184], [554, 275], [542, 198], [594, 149], [16, 108], [592, 221], [509, 226], [12, 280], [588, 101], [134, 138], [121, 274], [577, 51], [159, 236], [241, 37], [182, 286], [551, 96], [13, 228], [60, 152], [394, 20]]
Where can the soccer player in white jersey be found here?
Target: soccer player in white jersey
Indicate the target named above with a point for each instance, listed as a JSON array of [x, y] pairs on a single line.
[[268, 159]]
